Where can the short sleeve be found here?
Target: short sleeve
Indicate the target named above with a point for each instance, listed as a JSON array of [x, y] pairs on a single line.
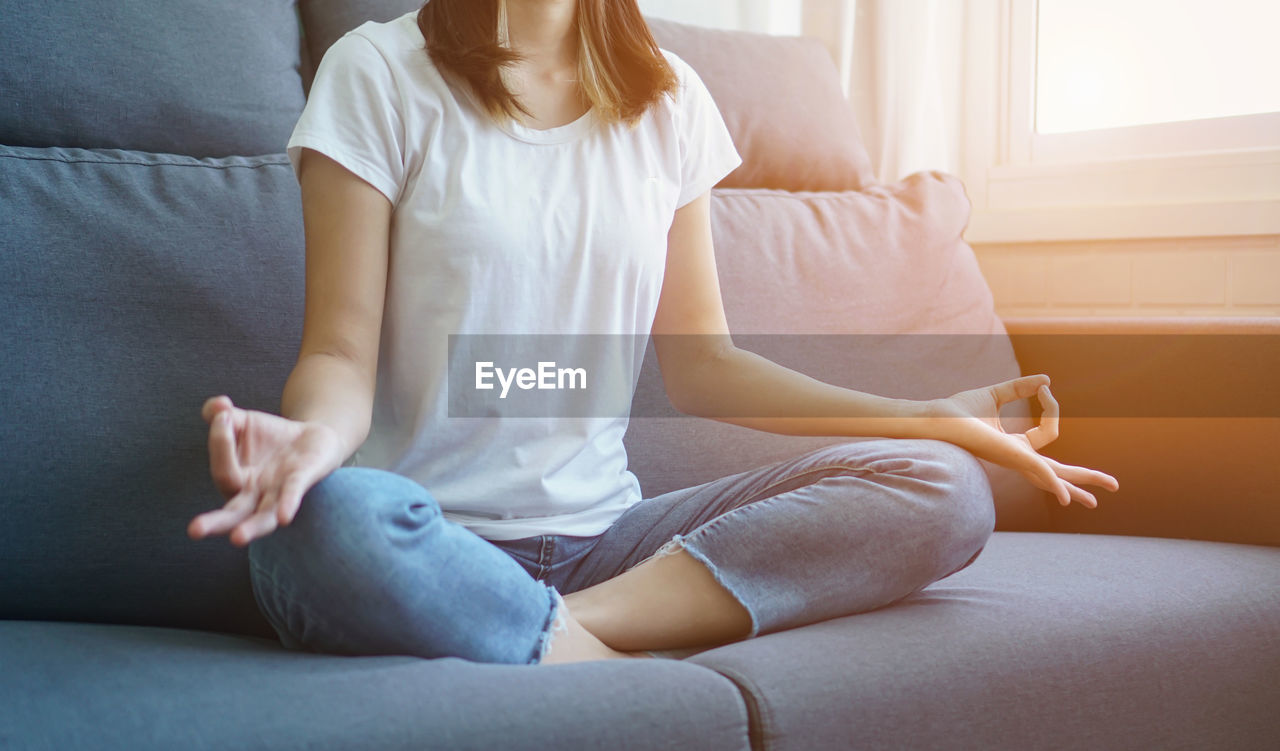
[[707, 152], [353, 116]]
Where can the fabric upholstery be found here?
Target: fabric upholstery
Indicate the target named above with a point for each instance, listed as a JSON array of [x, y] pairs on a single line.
[[781, 98], [1045, 641], [198, 77], [874, 290], [138, 285], [327, 20], [83, 686]]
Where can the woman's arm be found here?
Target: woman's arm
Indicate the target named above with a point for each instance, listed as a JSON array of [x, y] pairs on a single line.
[[706, 375], [347, 224], [262, 463]]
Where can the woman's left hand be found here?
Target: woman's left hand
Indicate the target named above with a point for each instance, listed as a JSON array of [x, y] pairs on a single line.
[[971, 419]]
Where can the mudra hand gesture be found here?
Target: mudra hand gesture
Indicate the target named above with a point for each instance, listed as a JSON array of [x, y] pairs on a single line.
[[971, 419], [262, 464]]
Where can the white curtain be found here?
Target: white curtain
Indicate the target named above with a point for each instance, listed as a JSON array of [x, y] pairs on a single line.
[[901, 63], [768, 16]]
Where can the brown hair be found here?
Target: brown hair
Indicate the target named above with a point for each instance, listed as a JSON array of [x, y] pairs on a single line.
[[621, 71]]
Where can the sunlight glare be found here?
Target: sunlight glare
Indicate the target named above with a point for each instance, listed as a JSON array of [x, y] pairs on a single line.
[[1114, 63]]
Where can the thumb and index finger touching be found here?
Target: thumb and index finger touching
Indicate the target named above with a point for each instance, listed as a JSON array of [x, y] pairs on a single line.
[[224, 461], [1046, 431], [1020, 388], [227, 424], [1040, 435], [1060, 476]]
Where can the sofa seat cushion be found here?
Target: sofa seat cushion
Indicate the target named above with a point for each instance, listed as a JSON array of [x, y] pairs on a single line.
[[68, 685], [198, 77], [137, 285], [1046, 641]]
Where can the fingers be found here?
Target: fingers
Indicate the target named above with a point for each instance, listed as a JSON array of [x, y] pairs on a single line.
[[213, 405], [264, 480], [291, 492], [1019, 388], [247, 521], [217, 405], [1082, 496], [1083, 475], [224, 462], [1062, 491], [1047, 431], [1074, 476], [1043, 477], [1066, 492], [260, 524], [220, 521]]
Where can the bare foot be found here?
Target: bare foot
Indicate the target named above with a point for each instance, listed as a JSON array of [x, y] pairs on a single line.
[[572, 642]]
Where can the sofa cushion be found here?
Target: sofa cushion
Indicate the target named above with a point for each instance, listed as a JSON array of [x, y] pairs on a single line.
[[1045, 641], [327, 20], [138, 285], [779, 96], [81, 686], [198, 77], [873, 290]]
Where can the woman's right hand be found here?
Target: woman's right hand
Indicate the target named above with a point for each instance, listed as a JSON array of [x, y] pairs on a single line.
[[262, 464]]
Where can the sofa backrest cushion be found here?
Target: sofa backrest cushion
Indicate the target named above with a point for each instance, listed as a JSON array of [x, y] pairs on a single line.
[[780, 96], [134, 286], [197, 77], [872, 290], [325, 21]]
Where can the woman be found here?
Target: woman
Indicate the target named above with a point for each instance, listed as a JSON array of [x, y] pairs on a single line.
[[540, 166]]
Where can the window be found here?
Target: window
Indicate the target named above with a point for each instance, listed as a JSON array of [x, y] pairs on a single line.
[[1107, 64], [1089, 119]]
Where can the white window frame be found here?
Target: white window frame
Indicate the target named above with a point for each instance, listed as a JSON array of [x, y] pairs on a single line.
[[1149, 181]]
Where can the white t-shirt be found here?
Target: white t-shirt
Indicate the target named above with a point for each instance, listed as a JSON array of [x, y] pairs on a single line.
[[505, 230]]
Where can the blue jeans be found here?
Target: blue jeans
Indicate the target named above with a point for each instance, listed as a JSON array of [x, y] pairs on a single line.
[[369, 565]]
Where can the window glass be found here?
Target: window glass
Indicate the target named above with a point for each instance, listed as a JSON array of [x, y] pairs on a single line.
[[1114, 63]]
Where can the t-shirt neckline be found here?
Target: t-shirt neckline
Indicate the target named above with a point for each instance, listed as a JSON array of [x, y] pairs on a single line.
[[560, 134]]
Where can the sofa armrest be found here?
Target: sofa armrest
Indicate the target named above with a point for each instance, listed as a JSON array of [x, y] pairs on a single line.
[[1183, 412]]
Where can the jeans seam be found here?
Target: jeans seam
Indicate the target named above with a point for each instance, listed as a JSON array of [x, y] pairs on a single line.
[[763, 494], [546, 552], [312, 616]]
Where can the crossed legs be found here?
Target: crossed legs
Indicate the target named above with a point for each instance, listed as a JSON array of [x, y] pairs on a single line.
[[837, 531], [370, 567]]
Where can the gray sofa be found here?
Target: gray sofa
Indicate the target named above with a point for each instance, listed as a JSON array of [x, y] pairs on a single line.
[[152, 257]]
